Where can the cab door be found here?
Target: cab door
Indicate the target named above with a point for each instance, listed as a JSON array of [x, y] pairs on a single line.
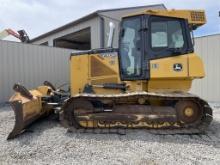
[[169, 44], [132, 62]]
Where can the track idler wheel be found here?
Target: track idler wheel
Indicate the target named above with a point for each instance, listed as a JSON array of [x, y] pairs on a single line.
[[188, 112]]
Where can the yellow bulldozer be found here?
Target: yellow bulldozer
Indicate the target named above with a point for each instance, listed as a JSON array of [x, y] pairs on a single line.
[[142, 84]]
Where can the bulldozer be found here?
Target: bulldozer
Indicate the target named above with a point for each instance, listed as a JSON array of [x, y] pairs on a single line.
[[144, 83]]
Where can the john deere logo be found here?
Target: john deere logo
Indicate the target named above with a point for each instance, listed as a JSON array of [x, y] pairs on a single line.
[[177, 67]]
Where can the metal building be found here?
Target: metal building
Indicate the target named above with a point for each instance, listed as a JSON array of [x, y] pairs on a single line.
[[91, 31], [31, 65], [208, 47]]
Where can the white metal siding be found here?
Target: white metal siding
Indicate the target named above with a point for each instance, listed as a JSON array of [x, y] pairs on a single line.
[[208, 48], [31, 65]]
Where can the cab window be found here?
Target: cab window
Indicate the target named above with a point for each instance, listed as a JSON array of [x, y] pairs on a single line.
[[130, 47], [166, 34]]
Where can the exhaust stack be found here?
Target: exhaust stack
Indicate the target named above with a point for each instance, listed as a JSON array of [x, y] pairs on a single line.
[[111, 34]]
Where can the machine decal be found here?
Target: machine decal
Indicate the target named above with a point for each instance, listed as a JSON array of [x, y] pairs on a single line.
[[113, 54], [155, 66], [177, 67]]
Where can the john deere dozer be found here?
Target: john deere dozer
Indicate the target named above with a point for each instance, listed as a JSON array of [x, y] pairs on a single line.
[[142, 84]]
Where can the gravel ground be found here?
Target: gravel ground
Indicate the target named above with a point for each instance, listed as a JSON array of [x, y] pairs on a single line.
[[49, 143]]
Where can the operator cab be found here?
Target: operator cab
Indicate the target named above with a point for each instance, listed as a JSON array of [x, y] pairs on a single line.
[[147, 37]]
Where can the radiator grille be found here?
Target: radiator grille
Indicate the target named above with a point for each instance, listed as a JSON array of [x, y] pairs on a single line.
[[198, 16]]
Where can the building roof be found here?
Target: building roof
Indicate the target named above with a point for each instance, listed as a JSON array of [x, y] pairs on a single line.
[[208, 35], [87, 17]]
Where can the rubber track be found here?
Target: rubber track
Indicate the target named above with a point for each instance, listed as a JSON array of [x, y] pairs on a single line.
[[198, 128]]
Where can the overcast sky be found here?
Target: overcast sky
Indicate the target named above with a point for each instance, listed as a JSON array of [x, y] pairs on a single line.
[[40, 16]]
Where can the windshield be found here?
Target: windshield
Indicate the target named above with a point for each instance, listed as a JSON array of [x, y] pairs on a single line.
[[130, 47]]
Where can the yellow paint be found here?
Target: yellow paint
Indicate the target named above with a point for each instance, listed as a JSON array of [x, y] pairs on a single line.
[[169, 85], [188, 112], [196, 67], [137, 86], [93, 70], [164, 68], [32, 107], [95, 124], [79, 73], [195, 17], [163, 77], [43, 90]]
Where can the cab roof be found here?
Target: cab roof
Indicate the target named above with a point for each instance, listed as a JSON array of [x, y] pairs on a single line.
[[195, 18]]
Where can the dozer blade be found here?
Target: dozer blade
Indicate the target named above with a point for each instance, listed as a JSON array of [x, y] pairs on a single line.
[[28, 106]]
